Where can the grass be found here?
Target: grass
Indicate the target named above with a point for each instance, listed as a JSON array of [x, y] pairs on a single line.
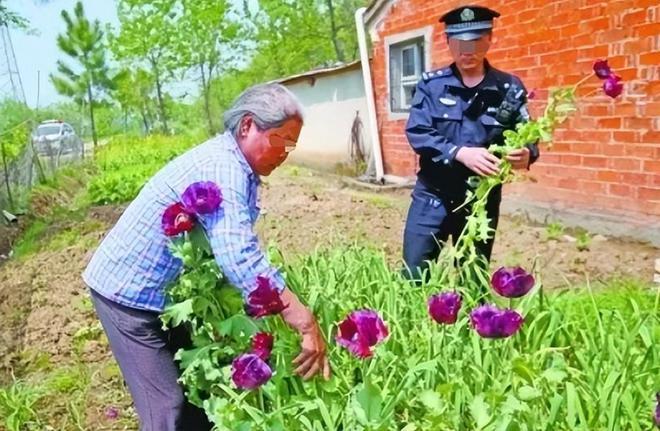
[[126, 163], [33, 361], [67, 380], [380, 202], [85, 334], [59, 398], [63, 228], [30, 241], [17, 406], [583, 241], [589, 346], [627, 296], [57, 202], [64, 190], [554, 231], [76, 234], [350, 169]]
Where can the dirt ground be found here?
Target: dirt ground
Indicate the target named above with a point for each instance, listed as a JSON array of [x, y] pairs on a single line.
[[302, 209], [45, 311], [8, 235]]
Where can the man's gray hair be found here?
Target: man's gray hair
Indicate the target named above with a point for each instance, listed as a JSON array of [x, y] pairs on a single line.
[[269, 105]]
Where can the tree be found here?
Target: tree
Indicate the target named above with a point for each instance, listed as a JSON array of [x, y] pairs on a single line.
[[342, 27], [299, 35], [10, 18], [14, 135], [134, 89], [228, 49], [291, 37], [288, 37], [147, 35], [82, 42], [208, 40]]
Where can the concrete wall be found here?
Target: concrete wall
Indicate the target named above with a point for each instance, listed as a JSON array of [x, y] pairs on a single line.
[[331, 101]]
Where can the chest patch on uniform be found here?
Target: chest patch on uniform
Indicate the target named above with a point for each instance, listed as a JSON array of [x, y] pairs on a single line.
[[447, 102]]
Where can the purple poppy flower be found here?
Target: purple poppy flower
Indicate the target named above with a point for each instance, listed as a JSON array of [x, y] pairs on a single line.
[[531, 95], [264, 300], [360, 331], [262, 345], [111, 413], [202, 197], [444, 307], [512, 282], [657, 410], [602, 69], [612, 86], [491, 322], [177, 220], [249, 371]]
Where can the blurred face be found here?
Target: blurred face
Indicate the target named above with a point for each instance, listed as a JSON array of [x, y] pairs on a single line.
[[265, 150], [469, 54]]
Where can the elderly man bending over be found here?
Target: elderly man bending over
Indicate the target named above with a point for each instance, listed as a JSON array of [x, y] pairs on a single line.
[[131, 268]]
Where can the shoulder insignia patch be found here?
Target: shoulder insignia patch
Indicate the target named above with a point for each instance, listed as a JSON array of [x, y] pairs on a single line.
[[438, 73]]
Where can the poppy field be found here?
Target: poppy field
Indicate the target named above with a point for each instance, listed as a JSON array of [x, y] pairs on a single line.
[[566, 361]]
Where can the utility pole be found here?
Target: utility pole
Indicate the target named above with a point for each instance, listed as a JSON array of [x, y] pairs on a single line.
[[11, 85]]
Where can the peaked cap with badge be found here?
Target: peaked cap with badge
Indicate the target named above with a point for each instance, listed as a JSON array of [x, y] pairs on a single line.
[[468, 22], [446, 115]]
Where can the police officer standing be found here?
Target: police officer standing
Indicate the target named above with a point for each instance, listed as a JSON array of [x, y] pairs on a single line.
[[456, 113]]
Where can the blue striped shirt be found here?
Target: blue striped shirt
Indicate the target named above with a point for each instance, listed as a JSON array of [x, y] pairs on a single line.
[[133, 265]]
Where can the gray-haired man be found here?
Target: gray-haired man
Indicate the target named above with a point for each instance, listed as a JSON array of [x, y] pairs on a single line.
[[130, 270]]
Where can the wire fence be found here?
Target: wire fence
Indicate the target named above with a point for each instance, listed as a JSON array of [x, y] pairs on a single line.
[[37, 162]]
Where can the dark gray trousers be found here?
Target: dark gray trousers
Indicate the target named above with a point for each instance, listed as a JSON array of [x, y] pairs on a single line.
[[145, 354]]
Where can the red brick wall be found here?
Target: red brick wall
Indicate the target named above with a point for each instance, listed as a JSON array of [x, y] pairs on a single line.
[[608, 155]]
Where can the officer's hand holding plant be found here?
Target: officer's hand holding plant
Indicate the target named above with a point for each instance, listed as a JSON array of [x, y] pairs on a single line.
[[519, 158], [479, 160], [561, 102]]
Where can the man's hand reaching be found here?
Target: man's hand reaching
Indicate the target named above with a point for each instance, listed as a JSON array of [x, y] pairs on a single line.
[[313, 358]]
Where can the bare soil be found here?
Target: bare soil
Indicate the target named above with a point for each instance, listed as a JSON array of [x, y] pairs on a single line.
[[303, 209], [8, 235]]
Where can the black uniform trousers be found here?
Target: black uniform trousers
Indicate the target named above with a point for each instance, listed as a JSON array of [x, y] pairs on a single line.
[[431, 220]]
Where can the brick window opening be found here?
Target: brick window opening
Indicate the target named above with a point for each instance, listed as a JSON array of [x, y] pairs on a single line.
[[406, 67]]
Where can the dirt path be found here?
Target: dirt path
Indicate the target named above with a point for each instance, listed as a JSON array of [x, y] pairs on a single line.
[[45, 312]]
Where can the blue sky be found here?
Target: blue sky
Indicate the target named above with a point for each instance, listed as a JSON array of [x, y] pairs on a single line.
[[39, 52]]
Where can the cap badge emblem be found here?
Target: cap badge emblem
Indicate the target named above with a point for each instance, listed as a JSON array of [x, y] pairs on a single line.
[[467, 14]]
